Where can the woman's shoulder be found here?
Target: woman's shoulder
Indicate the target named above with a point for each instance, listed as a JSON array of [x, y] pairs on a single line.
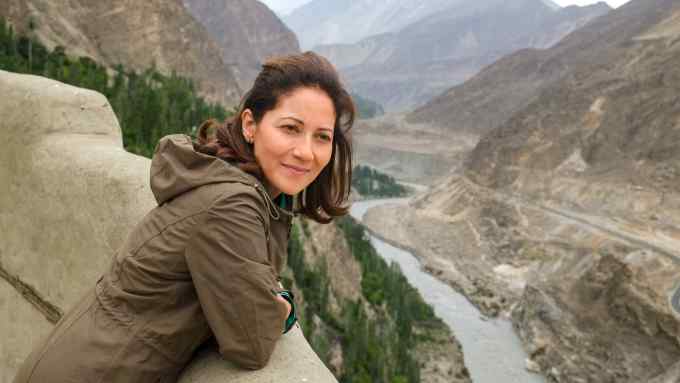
[[241, 198]]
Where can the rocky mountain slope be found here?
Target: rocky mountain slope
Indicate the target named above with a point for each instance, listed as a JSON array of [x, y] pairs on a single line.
[[247, 31], [403, 68], [611, 120], [490, 98], [566, 214], [137, 35]]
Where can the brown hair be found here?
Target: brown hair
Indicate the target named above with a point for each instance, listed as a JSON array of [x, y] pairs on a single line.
[[326, 196]]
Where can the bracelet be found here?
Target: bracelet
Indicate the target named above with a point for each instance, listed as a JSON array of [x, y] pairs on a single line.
[[292, 317]]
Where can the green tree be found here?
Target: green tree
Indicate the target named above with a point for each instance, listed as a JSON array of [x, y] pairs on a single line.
[[148, 105], [31, 28]]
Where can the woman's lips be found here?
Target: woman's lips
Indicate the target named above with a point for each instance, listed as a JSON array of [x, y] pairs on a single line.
[[296, 169]]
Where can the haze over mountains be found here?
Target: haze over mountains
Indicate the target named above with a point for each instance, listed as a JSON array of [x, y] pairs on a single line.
[[417, 49], [348, 21]]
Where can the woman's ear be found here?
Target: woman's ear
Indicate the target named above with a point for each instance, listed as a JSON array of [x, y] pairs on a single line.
[[248, 125]]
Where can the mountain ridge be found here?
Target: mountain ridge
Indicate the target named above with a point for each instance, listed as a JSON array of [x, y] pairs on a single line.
[[348, 21], [403, 69], [247, 31], [152, 33], [219, 46]]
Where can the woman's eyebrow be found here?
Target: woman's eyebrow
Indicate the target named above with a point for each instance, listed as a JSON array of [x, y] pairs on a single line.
[[294, 118], [303, 123]]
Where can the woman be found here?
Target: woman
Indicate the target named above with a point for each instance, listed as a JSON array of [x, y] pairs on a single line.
[[205, 262]]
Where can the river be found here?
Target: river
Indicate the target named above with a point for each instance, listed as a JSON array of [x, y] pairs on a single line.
[[493, 352]]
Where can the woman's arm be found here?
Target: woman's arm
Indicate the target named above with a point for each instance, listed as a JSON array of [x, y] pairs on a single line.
[[236, 285]]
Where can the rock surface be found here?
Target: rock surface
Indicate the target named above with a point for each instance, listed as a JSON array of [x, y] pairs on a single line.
[[69, 195], [138, 35], [607, 320]]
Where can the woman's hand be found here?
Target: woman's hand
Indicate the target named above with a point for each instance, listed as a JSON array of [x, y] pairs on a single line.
[[283, 301]]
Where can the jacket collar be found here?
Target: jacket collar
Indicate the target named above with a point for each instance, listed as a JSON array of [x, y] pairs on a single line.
[[177, 168]]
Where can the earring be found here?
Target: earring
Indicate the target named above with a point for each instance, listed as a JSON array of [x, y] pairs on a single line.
[[248, 138]]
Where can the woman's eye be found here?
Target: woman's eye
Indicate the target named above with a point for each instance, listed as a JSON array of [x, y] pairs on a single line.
[[325, 137], [290, 128]]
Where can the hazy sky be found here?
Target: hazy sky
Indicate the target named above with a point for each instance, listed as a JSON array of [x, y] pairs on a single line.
[[290, 4], [287, 5], [612, 3]]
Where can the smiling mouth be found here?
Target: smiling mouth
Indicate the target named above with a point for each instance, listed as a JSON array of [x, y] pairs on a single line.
[[296, 169]]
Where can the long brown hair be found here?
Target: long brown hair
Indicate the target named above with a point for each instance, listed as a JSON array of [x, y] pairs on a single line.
[[327, 195]]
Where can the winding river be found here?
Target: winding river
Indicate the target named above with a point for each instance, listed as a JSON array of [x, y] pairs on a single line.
[[493, 352]]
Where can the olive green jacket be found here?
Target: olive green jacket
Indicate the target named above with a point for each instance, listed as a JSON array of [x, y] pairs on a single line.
[[204, 262]]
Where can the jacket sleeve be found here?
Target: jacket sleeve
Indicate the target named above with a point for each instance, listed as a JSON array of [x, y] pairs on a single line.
[[236, 285]]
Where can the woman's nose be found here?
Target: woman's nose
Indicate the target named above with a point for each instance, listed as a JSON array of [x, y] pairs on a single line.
[[303, 149]]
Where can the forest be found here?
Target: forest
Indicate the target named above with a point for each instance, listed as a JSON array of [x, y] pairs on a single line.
[[370, 182], [148, 104], [376, 331]]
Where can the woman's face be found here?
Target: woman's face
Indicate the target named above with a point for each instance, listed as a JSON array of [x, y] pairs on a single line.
[[293, 142]]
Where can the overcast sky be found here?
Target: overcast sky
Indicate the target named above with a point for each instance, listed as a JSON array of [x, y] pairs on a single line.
[[287, 5], [612, 3]]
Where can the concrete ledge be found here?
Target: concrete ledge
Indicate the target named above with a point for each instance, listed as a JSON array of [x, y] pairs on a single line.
[[18, 338]]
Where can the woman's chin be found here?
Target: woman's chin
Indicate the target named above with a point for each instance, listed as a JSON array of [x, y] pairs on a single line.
[[290, 185], [292, 190]]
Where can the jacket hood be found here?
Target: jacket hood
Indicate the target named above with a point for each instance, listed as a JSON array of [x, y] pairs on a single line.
[[177, 168]]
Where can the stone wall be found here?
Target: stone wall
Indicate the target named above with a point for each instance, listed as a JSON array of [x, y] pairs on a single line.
[[69, 193]]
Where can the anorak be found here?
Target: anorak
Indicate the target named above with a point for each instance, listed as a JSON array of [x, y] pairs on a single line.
[[205, 262]]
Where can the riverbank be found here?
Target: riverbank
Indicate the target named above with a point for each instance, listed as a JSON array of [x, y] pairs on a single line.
[[426, 236], [493, 353], [590, 303]]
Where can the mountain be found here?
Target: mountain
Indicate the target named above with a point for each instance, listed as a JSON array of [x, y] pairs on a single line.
[[247, 31], [607, 108], [486, 100], [138, 35], [405, 68], [566, 210], [348, 21]]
